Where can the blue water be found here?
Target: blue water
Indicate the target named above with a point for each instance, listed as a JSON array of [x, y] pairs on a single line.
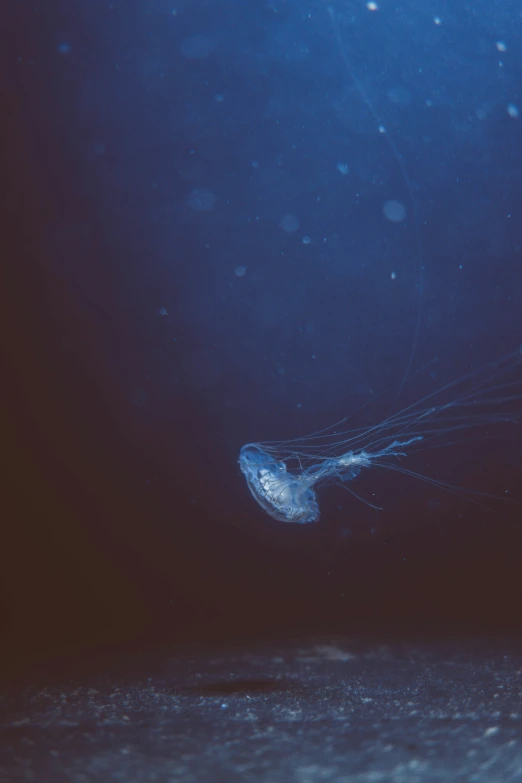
[[297, 209]]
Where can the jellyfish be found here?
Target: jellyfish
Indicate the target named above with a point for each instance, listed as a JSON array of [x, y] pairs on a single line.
[[284, 476]]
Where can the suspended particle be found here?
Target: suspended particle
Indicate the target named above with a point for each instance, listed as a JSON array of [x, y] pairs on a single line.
[[138, 397], [395, 211], [162, 311], [289, 223], [501, 46], [400, 95], [198, 47], [512, 110], [306, 240], [343, 168], [240, 271], [201, 199], [371, 6]]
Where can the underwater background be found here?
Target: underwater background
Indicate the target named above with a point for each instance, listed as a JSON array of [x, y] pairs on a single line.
[[243, 221]]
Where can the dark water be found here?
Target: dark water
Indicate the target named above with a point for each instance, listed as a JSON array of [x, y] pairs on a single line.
[[242, 221]]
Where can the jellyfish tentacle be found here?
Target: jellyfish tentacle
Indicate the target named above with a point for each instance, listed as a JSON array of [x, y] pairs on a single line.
[[283, 475]]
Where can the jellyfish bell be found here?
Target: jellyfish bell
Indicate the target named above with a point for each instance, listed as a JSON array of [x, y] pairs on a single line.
[[285, 496], [283, 476]]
